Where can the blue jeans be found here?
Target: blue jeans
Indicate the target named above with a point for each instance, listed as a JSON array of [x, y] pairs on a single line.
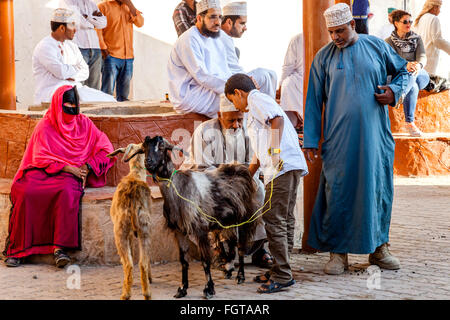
[[416, 82], [93, 58], [118, 71]]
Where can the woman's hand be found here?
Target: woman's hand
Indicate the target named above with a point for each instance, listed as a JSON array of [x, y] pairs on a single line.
[[413, 66], [84, 173], [80, 173]]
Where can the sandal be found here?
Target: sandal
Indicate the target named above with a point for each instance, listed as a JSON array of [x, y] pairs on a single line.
[[61, 258], [12, 262], [259, 279], [263, 260], [272, 286]]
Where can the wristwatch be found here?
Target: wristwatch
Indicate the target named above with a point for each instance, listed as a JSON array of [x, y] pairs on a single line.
[[273, 151]]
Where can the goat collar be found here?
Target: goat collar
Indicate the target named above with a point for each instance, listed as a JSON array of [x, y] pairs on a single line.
[[158, 179]]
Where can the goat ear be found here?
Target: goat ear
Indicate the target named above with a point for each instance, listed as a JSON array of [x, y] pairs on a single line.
[[115, 152], [130, 148], [127, 151], [133, 155]]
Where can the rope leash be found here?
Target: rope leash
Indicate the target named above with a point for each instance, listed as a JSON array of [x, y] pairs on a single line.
[[212, 219]]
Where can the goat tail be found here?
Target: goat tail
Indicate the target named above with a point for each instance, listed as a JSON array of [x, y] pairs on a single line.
[[134, 220]]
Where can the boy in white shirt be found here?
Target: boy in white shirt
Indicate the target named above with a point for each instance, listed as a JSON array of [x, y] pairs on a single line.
[[277, 151]]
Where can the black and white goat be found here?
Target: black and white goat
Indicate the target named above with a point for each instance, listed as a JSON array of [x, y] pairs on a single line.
[[226, 193]]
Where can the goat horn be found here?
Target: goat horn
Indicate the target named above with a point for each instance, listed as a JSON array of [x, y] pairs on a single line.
[[115, 152], [172, 147]]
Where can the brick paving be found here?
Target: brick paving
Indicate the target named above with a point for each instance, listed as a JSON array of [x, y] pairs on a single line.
[[419, 237]]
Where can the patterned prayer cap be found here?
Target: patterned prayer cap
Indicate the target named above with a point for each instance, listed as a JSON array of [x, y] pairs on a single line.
[[235, 9], [226, 105], [338, 15], [63, 15], [433, 3], [204, 5]]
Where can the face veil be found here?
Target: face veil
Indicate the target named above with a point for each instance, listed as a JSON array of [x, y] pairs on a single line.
[[71, 96]]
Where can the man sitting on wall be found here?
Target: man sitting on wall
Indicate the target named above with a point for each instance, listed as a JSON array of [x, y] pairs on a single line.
[[57, 61], [199, 66], [234, 24]]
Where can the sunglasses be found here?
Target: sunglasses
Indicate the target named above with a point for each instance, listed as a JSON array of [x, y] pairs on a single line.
[[407, 21]]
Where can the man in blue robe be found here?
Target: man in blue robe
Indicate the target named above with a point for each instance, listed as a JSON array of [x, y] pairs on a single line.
[[352, 211]]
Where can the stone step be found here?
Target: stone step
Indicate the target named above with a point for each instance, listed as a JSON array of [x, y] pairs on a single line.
[[428, 155], [123, 123], [98, 246], [432, 113]]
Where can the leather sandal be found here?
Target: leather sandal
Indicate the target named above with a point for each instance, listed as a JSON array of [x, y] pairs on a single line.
[[61, 258], [263, 260], [262, 278], [12, 262], [272, 286]]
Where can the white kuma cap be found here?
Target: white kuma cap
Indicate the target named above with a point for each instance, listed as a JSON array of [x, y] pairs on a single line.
[[204, 5], [235, 9], [63, 15], [226, 105], [338, 15]]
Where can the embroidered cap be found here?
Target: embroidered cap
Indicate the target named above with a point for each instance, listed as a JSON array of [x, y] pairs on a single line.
[[235, 9], [338, 15], [226, 105], [204, 5], [63, 15]]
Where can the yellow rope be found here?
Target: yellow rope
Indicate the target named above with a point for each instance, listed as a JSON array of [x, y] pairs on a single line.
[[213, 219]]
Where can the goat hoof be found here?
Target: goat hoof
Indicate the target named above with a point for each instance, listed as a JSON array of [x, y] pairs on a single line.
[[180, 293], [208, 293], [148, 297], [228, 274]]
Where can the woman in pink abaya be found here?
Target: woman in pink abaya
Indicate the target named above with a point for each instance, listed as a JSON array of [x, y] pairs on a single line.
[[66, 152]]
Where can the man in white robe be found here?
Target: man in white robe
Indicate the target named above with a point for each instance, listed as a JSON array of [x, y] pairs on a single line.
[[234, 24], [225, 140], [199, 65], [57, 61], [291, 83], [428, 26]]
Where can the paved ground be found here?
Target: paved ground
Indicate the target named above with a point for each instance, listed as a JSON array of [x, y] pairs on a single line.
[[420, 237]]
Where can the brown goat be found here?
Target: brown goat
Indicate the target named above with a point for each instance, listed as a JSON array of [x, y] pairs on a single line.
[[130, 213]]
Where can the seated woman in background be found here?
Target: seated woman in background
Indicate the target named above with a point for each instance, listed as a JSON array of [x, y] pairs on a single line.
[[410, 47], [65, 153]]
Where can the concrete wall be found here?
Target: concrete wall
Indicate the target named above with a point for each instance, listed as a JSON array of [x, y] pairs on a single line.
[[32, 23], [271, 25]]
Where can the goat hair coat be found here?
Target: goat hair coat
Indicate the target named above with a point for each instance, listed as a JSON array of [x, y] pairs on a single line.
[[45, 211], [217, 198]]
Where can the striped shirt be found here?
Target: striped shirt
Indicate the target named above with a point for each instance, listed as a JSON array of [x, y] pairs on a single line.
[[184, 17]]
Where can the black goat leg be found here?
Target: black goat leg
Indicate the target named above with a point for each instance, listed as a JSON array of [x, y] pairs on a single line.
[[241, 252], [209, 291], [184, 247], [229, 258], [241, 274], [205, 254]]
